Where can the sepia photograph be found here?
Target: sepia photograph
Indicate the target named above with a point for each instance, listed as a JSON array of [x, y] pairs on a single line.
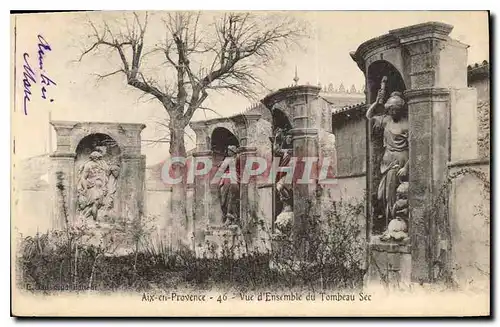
[[250, 164]]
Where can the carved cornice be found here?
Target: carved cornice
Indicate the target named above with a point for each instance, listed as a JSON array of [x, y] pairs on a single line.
[[253, 116], [59, 154], [433, 93], [202, 153], [469, 162], [245, 119], [62, 124], [294, 91], [265, 185], [384, 41], [197, 125], [304, 132], [352, 175], [133, 156], [400, 36], [415, 33], [247, 150]]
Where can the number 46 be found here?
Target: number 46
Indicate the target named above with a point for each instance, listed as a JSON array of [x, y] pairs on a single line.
[[221, 298]]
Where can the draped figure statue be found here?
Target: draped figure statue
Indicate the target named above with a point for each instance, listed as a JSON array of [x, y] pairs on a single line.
[[96, 187], [229, 192], [284, 151]]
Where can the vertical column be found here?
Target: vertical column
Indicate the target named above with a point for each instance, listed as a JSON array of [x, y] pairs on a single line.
[[246, 127], [429, 137], [202, 202], [305, 144], [429, 145], [62, 176], [248, 197], [63, 193], [132, 174], [132, 182]]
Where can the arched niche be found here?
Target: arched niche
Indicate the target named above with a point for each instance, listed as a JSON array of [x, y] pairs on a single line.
[[97, 178], [97, 142], [280, 122], [395, 82], [220, 139], [376, 71]]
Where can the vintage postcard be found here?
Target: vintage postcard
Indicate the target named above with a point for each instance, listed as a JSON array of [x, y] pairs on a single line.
[[259, 163]]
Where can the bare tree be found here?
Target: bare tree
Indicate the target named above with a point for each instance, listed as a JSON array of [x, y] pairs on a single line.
[[222, 56]]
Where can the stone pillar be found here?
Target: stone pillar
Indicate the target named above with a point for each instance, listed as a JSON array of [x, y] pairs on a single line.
[[248, 198], [433, 67], [132, 183], [62, 183], [247, 134], [62, 176], [429, 144], [202, 202], [301, 103], [305, 144], [132, 174], [436, 64]]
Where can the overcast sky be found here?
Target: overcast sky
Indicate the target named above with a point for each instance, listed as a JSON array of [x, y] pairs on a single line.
[[78, 95]]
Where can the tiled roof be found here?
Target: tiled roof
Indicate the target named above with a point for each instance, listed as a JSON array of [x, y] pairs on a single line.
[[347, 109], [478, 71]]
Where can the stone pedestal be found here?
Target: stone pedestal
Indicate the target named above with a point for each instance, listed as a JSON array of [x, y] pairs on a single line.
[[389, 264]]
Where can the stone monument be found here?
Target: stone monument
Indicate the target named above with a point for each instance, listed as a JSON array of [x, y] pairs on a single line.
[[427, 69], [97, 172]]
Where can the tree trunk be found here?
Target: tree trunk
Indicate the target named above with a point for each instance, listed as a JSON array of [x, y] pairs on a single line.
[[177, 222]]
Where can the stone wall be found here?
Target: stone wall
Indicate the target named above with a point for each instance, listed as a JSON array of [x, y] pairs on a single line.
[[157, 198], [470, 225], [349, 128], [32, 195]]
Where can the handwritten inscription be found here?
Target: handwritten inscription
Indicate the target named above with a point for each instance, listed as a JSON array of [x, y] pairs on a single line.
[[30, 76]]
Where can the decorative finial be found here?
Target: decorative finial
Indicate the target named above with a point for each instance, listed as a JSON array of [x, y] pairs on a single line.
[[296, 78]]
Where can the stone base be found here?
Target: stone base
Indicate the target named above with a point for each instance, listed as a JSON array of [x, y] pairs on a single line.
[[110, 238], [389, 264], [222, 241]]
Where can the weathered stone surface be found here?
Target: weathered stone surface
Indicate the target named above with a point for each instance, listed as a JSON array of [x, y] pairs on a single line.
[[128, 202]]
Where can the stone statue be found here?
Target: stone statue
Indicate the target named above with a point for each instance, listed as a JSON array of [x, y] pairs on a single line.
[[394, 164], [283, 150], [96, 186], [229, 192]]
